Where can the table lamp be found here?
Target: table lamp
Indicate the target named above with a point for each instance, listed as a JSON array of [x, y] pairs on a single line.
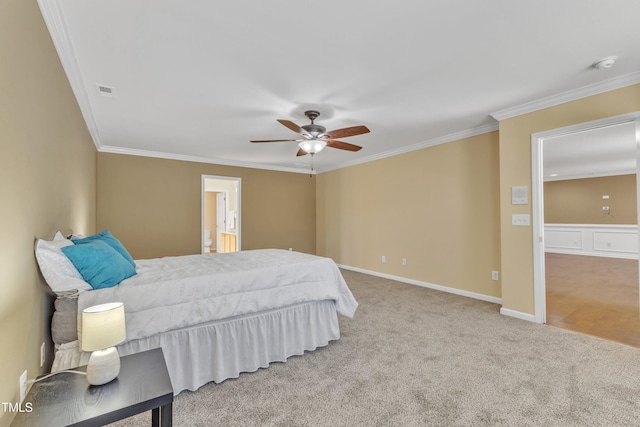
[[103, 328]]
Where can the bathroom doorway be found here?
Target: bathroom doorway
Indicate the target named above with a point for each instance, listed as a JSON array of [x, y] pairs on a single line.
[[220, 218]]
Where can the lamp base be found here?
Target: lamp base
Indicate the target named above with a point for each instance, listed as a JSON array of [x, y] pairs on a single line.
[[103, 367]]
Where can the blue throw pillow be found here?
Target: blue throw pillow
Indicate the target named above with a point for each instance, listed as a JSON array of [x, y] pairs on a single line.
[[99, 264], [108, 238]]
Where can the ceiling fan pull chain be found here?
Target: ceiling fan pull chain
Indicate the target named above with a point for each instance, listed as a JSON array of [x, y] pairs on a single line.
[[311, 171]]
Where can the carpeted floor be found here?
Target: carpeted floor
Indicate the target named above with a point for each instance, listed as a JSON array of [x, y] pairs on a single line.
[[416, 357]]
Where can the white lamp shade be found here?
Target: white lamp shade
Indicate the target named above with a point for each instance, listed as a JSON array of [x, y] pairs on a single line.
[[312, 146], [103, 326]]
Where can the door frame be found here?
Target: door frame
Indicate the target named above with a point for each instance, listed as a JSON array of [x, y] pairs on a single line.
[[238, 181], [225, 198], [537, 197]]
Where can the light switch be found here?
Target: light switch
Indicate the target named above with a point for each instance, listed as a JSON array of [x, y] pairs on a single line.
[[521, 220]]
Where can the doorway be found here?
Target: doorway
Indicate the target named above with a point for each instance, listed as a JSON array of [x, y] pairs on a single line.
[[221, 227], [632, 122]]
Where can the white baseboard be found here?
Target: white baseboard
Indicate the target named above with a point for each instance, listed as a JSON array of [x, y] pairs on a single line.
[[619, 255], [461, 292], [518, 314]]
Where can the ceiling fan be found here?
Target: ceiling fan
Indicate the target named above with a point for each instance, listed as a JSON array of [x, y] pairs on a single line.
[[315, 137]]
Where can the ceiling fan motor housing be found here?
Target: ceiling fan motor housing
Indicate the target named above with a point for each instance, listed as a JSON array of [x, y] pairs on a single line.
[[314, 130]]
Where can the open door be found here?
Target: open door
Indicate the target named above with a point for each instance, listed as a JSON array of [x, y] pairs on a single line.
[[224, 220]]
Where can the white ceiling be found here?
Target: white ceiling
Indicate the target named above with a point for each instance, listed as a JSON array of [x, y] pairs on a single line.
[[197, 80], [603, 151]]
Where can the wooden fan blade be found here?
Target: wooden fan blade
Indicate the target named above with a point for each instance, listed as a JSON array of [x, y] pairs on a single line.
[[301, 152], [345, 132], [274, 140], [343, 145], [294, 127]]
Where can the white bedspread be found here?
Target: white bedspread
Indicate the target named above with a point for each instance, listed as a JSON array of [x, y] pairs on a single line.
[[177, 292]]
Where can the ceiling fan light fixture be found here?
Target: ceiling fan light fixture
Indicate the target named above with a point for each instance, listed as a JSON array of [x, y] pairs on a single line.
[[312, 146]]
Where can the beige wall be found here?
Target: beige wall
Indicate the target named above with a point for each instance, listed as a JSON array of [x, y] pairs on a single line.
[[515, 170], [154, 205], [48, 184], [436, 207], [579, 201]]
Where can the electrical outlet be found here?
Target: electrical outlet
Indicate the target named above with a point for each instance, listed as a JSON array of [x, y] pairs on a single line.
[[384, 259], [404, 261], [495, 275], [23, 386], [290, 249], [42, 352]]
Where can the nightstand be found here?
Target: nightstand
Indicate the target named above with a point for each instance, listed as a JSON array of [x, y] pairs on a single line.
[[66, 399]]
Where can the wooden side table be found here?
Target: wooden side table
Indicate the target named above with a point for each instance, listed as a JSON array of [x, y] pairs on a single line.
[[66, 399]]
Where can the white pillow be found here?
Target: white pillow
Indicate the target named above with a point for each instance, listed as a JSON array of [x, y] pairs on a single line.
[[61, 275]]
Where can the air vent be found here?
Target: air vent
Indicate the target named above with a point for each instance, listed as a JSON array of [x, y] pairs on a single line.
[[106, 91]]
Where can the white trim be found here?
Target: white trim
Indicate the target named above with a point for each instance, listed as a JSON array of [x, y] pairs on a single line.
[[447, 289], [199, 159], [537, 206], [518, 315], [537, 202], [618, 255], [637, 122], [612, 227], [212, 160], [568, 96], [52, 13], [586, 176], [419, 146]]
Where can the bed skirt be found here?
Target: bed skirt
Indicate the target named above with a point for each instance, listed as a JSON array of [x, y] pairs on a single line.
[[223, 349]]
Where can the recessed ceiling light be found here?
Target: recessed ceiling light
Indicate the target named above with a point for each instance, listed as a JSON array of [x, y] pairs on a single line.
[[604, 63], [554, 174]]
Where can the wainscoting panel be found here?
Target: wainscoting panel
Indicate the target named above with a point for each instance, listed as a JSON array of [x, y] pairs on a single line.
[[604, 240], [563, 239]]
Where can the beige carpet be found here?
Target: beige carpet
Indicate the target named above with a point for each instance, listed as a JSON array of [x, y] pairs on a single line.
[[417, 357]]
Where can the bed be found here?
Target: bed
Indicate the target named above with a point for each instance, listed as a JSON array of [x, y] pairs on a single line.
[[214, 315]]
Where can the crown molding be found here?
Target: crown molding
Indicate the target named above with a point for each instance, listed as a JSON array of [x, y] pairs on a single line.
[[587, 175], [52, 13], [200, 159], [568, 96], [425, 144]]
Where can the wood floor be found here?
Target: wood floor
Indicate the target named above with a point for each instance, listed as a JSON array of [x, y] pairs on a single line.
[[593, 295]]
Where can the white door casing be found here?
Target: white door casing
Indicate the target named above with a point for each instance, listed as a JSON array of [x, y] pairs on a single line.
[[537, 197]]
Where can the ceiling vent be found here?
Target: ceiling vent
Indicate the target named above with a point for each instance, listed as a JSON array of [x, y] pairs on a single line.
[[106, 91], [605, 63]]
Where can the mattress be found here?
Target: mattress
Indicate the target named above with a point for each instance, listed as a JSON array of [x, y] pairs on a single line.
[[174, 293]]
